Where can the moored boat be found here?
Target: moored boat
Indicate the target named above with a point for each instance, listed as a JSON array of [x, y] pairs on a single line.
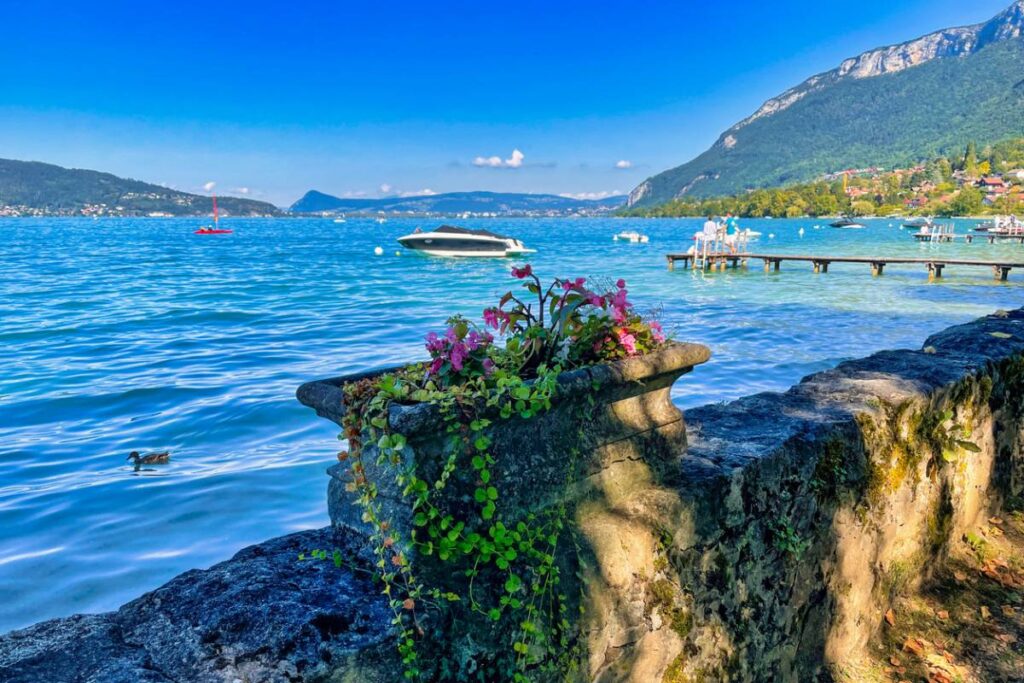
[[631, 236], [450, 240], [846, 223], [919, 223], [216, 229]]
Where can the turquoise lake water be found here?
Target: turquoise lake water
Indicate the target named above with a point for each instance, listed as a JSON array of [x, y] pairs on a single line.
[[121, 335]]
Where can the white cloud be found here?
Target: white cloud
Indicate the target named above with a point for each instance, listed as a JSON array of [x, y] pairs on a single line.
[[353, 194], [591, 195], [242, 190], [385, 188], [514, 161], [623, 164], [425, 192], [209, 186]]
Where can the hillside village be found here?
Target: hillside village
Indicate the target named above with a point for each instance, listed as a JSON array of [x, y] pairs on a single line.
[[972, 183]]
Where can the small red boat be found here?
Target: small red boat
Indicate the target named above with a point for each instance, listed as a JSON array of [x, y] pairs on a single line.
[[207, 230]]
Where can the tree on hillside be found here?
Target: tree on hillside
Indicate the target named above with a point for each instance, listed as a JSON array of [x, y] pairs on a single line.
[[971, 161], [966, 203]]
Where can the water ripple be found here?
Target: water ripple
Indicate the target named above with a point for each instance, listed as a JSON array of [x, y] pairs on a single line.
[[120, 335]]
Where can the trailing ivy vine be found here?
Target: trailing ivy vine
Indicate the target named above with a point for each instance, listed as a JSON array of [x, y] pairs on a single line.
[[478, 580]]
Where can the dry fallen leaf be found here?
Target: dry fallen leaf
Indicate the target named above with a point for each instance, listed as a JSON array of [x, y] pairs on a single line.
[[1000, 335], [942, 614], [1008, 610], [985, 612], [890, 618], [914, 645], [959, 576], [995, 520], [949, 656], [894, 660], [1006, 638]]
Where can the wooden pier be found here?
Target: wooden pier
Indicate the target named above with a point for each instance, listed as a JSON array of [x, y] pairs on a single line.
[[967, 237], [773, 262]]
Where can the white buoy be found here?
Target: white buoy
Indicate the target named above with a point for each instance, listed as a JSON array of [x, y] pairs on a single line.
[[398, 253], [379, 251], [801, 231], [771, 235]]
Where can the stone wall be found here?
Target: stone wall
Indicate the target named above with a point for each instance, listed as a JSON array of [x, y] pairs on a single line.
[[774, 549], [769, 550]]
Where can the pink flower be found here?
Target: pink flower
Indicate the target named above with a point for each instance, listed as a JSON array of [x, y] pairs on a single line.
[[621, 284], [491, 317], [595, 300], [435, 367], [657, 332], [628, 341], [524, 272], [567, 285], [458, 355], [434, 344], [488, 366]]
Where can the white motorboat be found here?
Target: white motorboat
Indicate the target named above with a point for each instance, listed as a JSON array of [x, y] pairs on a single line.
[[631, 236], [847, 223], [449, 240]]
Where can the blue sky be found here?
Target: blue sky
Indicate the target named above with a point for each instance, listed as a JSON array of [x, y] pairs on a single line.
[[270, 99]]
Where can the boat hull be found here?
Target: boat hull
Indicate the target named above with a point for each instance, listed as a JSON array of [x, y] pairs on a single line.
[[455, 246]]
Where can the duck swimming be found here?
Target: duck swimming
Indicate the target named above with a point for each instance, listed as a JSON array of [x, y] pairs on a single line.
[[149, 458]]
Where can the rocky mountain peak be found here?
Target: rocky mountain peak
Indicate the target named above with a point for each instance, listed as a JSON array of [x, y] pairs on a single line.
[[950, 42]]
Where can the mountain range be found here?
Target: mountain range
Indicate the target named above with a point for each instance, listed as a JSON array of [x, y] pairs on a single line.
[[502, 203], [886, 107], [31, 187]]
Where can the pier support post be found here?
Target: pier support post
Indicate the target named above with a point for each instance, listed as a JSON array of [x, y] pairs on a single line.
[[935, 270], [820, 266], [877, 267], [1001, 272]]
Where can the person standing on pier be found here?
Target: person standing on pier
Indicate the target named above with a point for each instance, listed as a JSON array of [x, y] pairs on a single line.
[[731, 231], [710, 233]]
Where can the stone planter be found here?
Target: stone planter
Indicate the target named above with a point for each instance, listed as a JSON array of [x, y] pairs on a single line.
[[609, 413]]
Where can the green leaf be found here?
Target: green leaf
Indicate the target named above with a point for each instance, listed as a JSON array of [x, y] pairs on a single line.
[[494, 614], [513, 583], [478, 462], [1001, 335], [480, 495], [969, 446]]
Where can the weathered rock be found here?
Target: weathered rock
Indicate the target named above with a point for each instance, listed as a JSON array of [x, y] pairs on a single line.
[[261, 616]]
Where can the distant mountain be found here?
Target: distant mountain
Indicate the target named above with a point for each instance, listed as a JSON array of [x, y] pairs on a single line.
[[31, 187], [889, 106], [455, 202]]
